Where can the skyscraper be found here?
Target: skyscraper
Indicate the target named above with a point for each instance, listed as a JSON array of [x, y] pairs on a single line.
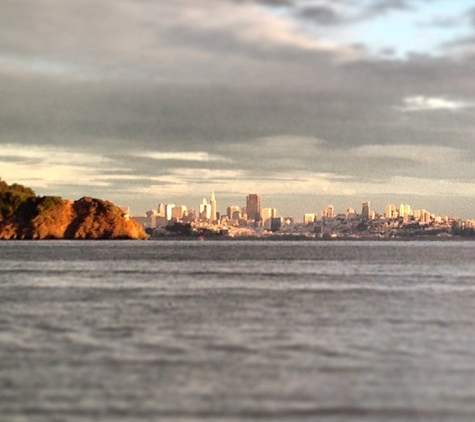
[[212, 203], [268, 213], [401, 210], [425, 217], [390, 211], [178, 212], [253, 207], [308, 218], [329, 212], [234, 212], [366, 211], [161, 210], [168, 211], [205, 210]]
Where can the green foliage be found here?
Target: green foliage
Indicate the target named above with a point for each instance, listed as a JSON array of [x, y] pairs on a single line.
[[10, 202], [47, 203], [22, 189], [12, 197], [5, 187]]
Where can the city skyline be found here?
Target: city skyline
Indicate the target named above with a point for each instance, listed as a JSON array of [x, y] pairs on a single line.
[[253, 210], [309, 102], [255, 221]]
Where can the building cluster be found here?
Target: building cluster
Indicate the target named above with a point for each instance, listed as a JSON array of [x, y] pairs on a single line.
[[250, 215], [404, 212], [252, 219]]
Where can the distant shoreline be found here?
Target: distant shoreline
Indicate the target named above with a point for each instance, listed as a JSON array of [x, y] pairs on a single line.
[[311, 239], [257, 239]]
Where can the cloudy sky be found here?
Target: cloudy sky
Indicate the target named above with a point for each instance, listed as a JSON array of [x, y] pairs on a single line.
[[308, 102]]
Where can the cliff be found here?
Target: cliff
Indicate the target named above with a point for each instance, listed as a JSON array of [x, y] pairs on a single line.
[[23, 215]]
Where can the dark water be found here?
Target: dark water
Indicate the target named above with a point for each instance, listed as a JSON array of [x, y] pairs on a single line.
[[228, 331]]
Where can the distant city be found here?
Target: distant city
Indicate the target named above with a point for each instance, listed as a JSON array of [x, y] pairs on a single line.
[[254, 220]]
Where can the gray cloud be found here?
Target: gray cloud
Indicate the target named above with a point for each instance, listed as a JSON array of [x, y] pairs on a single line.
[[274, 3], [383, 6], [471, 16], [322, 15], [228, 81], [443, 22], [327, 14]]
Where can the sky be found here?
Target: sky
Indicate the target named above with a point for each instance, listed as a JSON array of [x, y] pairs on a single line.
[[307, 102]]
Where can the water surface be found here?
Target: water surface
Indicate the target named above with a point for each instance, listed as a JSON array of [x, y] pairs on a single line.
[[291, 331]]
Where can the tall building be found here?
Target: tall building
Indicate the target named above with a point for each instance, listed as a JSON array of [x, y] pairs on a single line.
[[205, 210], [308, 218], [405, 211], [425, 217], [366, 211], [161, 210], [147, 220], [212, 203], [178, 212], [169, 211], [329, 212], [268, 213], [253, 207], [152, 219], [233, 212], [275, 224], [402, 209], [390, 211]]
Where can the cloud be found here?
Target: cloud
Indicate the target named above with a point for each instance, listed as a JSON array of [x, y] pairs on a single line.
[[461, 49], [12, 64], [160, 41], [273, 3], [332, 13], [463, 46], [184, 96], [471, 16], [50, 155], [422, 103], [379, 7], [199, 156], [44, 167], [424, 187], [443, 22], [322, 15], [251, 27], [420, 154]]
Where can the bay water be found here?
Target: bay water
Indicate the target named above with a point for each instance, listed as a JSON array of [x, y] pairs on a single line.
[[237, 330]]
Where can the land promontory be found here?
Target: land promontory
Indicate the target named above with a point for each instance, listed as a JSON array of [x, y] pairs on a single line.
[[24, 215]]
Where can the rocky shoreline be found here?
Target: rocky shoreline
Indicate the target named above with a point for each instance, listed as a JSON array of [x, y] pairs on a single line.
[[25, 216]]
